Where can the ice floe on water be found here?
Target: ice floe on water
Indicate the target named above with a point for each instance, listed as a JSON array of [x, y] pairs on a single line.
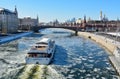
[[91, 60], [89, 65], [75, 58], [96, 69]]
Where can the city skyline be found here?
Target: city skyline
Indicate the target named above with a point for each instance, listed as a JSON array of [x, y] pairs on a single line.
[[49, 10]]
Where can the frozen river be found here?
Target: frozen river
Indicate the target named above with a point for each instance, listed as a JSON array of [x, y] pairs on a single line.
[[75, 58]]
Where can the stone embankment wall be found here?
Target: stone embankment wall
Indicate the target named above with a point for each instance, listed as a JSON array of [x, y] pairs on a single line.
[[102, 41], [13, 37]]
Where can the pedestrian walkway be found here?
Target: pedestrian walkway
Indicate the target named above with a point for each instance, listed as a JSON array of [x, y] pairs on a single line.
[[110, 37]]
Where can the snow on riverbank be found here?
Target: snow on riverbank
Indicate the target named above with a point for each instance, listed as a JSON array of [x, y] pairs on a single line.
[[13, 37], [114, 33]]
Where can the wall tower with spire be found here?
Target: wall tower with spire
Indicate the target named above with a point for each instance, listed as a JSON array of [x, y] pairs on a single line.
[[101, 16], [84, 18], [15, 11], [37, 20]]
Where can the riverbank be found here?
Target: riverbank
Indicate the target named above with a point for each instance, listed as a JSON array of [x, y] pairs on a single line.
[[108, 45], [100, 40], [11, 37]]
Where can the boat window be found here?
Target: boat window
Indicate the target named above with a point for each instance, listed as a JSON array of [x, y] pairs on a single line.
[[42, 43], [32, 55], [40, 46], [39, 55], [43, 55]]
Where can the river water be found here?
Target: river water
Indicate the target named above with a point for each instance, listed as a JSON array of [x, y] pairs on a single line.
[[75, 57]]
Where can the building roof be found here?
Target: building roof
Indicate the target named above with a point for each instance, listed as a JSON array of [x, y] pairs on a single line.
[[1, 8], [6, 11]]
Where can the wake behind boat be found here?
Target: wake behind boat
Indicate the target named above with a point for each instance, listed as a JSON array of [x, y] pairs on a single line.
[[42, 52]]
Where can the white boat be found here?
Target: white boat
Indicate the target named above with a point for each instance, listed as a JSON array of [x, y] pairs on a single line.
[[42, 52]]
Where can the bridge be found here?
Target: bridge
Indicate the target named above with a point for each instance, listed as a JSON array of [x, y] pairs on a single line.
[[74, 28], [90, 26]]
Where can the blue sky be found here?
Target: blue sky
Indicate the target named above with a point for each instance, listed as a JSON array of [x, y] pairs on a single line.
[[49, 10]]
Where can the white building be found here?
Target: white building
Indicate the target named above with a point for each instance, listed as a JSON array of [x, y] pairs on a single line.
[[8, 21]]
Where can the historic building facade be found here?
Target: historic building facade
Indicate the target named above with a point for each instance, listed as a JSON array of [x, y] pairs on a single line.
[[8, 21], [27, 22]]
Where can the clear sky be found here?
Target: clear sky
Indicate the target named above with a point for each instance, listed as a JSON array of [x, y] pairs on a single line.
[[49, 10]]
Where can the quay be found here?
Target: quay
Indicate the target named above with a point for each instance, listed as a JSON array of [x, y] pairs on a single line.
[[108, 44], [100, 40], [115, 62], [8, 38]]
